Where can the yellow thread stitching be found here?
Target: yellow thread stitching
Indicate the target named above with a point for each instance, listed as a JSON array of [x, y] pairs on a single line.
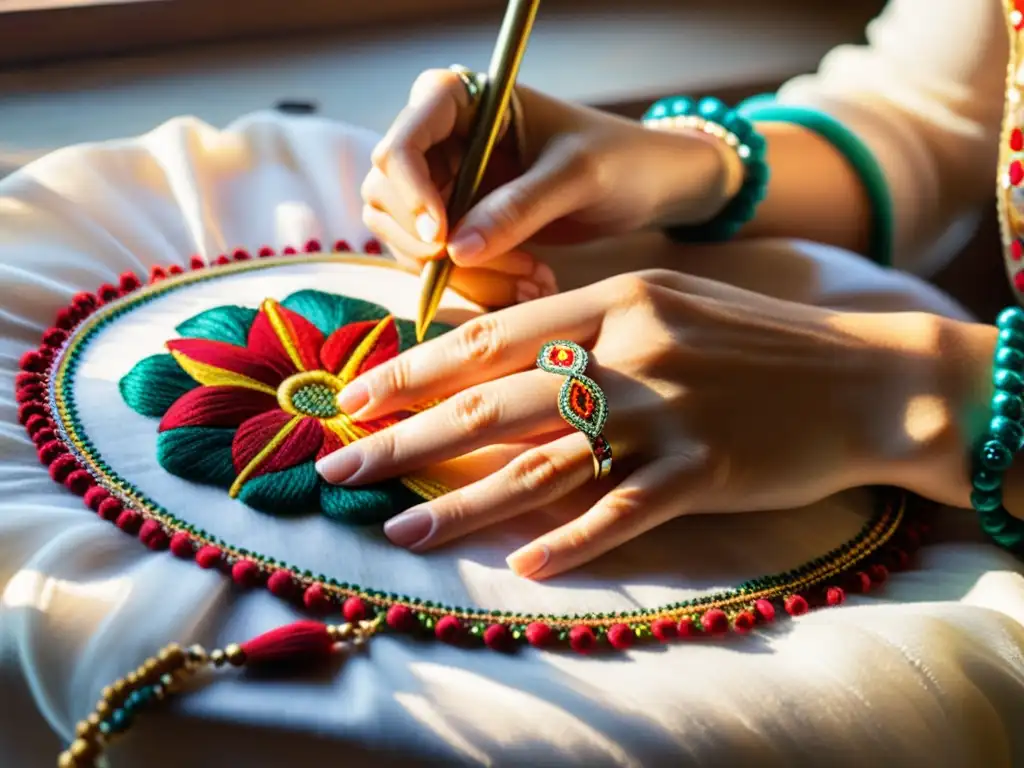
[[212, 376], [259, 458], [348, 371], [284, 332]]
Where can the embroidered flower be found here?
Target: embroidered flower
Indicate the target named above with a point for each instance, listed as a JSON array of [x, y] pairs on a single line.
[[247, 402]]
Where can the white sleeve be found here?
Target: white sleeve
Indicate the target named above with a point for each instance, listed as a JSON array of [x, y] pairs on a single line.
[[926, 95]]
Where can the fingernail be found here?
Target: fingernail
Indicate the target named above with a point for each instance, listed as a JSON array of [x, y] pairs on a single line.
[[527, 291], [426, 228], [544, 276], [353, 397], [339, 466], [410, 528], [528, 560], [465, 245]]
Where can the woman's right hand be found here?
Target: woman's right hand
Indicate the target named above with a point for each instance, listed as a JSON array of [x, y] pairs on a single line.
[[576, 174]]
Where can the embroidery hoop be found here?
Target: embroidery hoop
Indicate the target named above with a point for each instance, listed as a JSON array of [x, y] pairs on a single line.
[[884, 543]]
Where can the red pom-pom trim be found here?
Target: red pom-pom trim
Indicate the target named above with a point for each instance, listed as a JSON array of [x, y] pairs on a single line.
[[54, 337], [289, 251], [858, 582], [24, 378], [78, 482], [687, 628], [796, 605], [51, 450], [342, 246], [33, 361], [715, 622], [110, 509], [744, 622], [152, 534], [878, 574], [94, 497], [448, 629], [129, 282], [354, 609], [281, 584], [664, 630], [835, 596], [621, 637], [246, 573], [497, 637], [764, 610], [129, 521], [539, 634], [312, 246], [401, 618], [209, 556], [241, 254], [196, 262], [62, 466], [372, 247], [316, 599], [266, 252], [222, 260], [582, 639], [108, 293], [182, 546]]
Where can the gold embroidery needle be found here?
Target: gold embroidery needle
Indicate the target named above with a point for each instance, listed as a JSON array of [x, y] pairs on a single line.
[[495, 97]]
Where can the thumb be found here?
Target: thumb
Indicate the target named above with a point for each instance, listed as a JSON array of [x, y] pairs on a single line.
[[554, 187]]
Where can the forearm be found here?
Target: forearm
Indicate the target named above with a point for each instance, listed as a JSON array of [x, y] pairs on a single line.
[[813, 192]]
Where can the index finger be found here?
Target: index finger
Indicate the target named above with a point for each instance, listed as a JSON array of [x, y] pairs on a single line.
[[487, 347]]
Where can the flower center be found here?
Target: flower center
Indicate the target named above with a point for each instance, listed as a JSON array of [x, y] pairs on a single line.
[[311, 393]]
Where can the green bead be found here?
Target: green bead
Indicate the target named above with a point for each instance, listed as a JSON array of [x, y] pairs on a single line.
[[711, 108], [986, 480], [986, 501], [1012, 338], [1011, 318], [995, 455], [657, 111], [682, 106], [1006, 431], [1008, 381], [1008, 405], [1006, 357]]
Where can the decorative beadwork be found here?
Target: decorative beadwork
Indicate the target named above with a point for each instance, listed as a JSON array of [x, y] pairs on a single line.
[[1010, 178]]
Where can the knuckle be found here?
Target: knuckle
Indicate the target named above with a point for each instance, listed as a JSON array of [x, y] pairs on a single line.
[[474, 412], [632, 290], [388, 380], [623, 503], [533, 471], [482, 341]]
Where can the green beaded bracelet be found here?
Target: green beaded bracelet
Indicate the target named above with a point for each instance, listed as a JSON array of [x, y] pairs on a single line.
[[715, 118], [1004, 437]]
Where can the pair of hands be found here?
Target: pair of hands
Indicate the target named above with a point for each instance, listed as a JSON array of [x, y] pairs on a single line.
[[719, 399]]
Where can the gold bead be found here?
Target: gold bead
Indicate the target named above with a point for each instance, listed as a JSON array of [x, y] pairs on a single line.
[[67, 760], [235, 655], [132, 679], [332, 632], [150, 667], [83, 750], [365, 626], [84, 729], [108, 693], [217, 657], [173, 656], [102, 708], [197, 654], [359, 641], [120, 688], [345, 631], [93, 720]]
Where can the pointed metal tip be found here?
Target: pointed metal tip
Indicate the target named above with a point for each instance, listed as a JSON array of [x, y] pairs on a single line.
[[421, 332]]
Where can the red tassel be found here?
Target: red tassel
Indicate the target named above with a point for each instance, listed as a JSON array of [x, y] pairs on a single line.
[[301, 641]]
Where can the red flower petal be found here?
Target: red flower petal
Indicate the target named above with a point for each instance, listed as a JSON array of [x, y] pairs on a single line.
[[358, 347], [299, 445], [342, 343], [331, 444], [216, 363], [285, 337], [216, 407]]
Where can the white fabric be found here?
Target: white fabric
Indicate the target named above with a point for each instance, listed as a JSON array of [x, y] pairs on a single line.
[[928, 672]]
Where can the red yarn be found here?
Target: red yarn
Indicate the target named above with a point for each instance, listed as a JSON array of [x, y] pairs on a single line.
[[582, 638], [27, 410], [95, 496], [898, 560], [715, 622], [796, 605], [289, 251], [33, 361], [196, 262], [858, 582], [108, 292], [764, 610], [66, 319], [49, 451], [44, 435], [54, 337], [24, 378], [879, 573], [84, 301], [241, 254], [448, 629], [157, 273], [835, 596], [152, 534], [266, 252], [316, 599], [303, 641], [744, 622], [372, 247], [312, 246], [621, 637], [209, 556], [281, 584], [32, 393], [110, 509], [78, 482], [342, 246], [687, 628], [175, 269], [62, 466], [498, 638], [664, 630], [182, 546], [354, 609], [539, 634], [246, 573], [129, 282], [222, 260], [401, 618], [129, 521]]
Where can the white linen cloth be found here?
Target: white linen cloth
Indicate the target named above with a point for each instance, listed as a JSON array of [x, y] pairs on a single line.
[[928, 672]]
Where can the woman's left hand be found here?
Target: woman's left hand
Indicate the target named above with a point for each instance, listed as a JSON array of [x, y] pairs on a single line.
[[719, 400]]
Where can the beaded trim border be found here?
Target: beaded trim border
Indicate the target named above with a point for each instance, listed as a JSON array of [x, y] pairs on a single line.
[[49, 414]]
